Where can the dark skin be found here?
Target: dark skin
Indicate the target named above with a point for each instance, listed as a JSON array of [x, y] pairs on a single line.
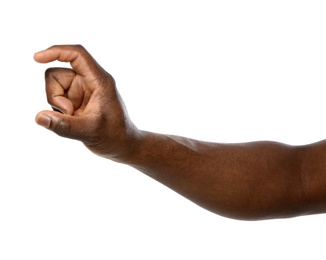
[[247, 181]]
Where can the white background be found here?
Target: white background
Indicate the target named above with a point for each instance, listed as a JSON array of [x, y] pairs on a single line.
[[222, 71]]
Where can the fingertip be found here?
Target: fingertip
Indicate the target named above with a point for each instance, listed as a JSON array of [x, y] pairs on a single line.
[[44, 56], [38, 55]]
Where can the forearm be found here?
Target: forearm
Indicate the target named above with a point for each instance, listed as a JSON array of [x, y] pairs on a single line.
[[313, 165], [247, 181]]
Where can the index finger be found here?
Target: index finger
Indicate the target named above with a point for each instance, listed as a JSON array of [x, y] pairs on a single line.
[[81, 61]]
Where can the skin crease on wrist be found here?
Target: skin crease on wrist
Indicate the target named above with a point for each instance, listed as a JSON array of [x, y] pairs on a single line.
[[247, 181]]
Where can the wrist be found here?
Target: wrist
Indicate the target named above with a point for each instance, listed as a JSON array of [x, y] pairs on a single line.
[[127, 149]]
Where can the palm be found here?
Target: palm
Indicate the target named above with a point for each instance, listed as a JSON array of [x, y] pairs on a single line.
[[70, 93]]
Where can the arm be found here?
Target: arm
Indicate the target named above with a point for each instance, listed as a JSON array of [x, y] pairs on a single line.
[[258, 180]]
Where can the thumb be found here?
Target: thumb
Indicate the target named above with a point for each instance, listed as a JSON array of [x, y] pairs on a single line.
[[62, 124]]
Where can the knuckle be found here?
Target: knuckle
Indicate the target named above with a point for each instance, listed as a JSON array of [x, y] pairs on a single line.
[[79, 47], [62, 128], [49, 72], [50, 98]]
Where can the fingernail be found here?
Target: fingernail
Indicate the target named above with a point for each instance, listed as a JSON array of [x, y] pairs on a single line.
[[44, 121]]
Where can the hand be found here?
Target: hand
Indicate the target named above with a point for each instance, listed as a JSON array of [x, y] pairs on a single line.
[[86, 103]]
